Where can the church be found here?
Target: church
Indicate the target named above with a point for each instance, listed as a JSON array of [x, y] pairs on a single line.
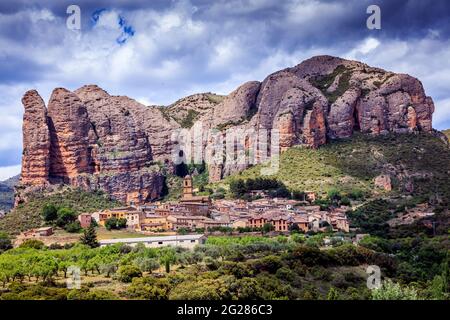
[[195, 205]]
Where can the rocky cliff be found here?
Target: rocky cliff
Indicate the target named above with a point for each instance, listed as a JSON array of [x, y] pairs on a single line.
[[88, 140], [93, 140]]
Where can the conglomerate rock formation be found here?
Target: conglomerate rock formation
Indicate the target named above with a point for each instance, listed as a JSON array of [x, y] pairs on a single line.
[[93, 140]]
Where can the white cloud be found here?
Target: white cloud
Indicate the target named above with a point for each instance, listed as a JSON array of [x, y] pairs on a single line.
[[8, 172], [186, 49], [441, 115], [365, 47]]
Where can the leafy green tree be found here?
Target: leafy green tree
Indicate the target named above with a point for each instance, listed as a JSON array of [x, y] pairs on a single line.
[[121, 223], [203, 289], [238, 188], [89, 237], [49, 212], [333, 294], [73, 227], [147, 264], [437, 288], [126, 273], [394, 291], [65, 216], [149, 288], [267, 227], [114, 223], [111, 223], [167, 257]]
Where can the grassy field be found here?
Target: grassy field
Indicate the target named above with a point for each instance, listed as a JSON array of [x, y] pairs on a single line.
[[103, 234], [352, 164]]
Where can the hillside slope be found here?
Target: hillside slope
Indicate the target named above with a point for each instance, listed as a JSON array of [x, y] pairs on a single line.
[[447, 133], [119, 145], [419, 165], [7, 193], [28, 215]]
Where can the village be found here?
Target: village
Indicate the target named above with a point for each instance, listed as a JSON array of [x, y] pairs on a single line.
[[201, 215], [193, 213]]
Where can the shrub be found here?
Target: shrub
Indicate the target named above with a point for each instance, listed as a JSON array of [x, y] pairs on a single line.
[[394, 291], [148, 288], [49, 212], [126, 273], [73, 227], [65, 216], [32, 244], [114, 223]]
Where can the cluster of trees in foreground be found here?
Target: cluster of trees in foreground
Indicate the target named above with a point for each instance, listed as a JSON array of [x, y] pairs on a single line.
[[248, 267]]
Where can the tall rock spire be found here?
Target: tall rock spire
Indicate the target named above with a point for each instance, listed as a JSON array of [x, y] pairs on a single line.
[[36, 140]]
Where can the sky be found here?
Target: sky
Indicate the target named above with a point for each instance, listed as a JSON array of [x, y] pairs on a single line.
[[159, 51]]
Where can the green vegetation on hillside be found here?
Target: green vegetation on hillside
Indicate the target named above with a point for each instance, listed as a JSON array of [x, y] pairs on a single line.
[[229, 268], [323, 83], [28, 215], [350, 165]]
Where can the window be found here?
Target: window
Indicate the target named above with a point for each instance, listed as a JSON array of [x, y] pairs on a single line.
[[192, 240], [160, 242]]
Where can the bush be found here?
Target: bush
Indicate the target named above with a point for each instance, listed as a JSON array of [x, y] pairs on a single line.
[[73, 227], [49, 212], [32, 244], [114, 223], [65, 216], [285, 274], [270, 264], [5, 242], [148, 288], [394, 291], [126, 273]]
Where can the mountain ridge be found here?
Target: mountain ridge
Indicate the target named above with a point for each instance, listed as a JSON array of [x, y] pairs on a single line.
[[116, 144]]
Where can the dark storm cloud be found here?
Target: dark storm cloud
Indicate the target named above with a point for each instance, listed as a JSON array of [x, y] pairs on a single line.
[[18, 69], [158, 51]]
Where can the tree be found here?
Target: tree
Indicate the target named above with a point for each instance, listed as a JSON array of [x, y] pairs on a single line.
[[333, 294], [65, 216], [204, 289], [49, 212], [89, 237], [111, 223], [5, 242], [149, 288], [121, 223], [267, 227], [114, 223], [126, 273], [167, 257], [147, 264], [394, 291], [73, 227], [238, 188]]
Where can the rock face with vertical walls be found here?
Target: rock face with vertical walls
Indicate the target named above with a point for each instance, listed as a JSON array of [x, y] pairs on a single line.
[[93, 140], [90, 140], [36, 140]]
